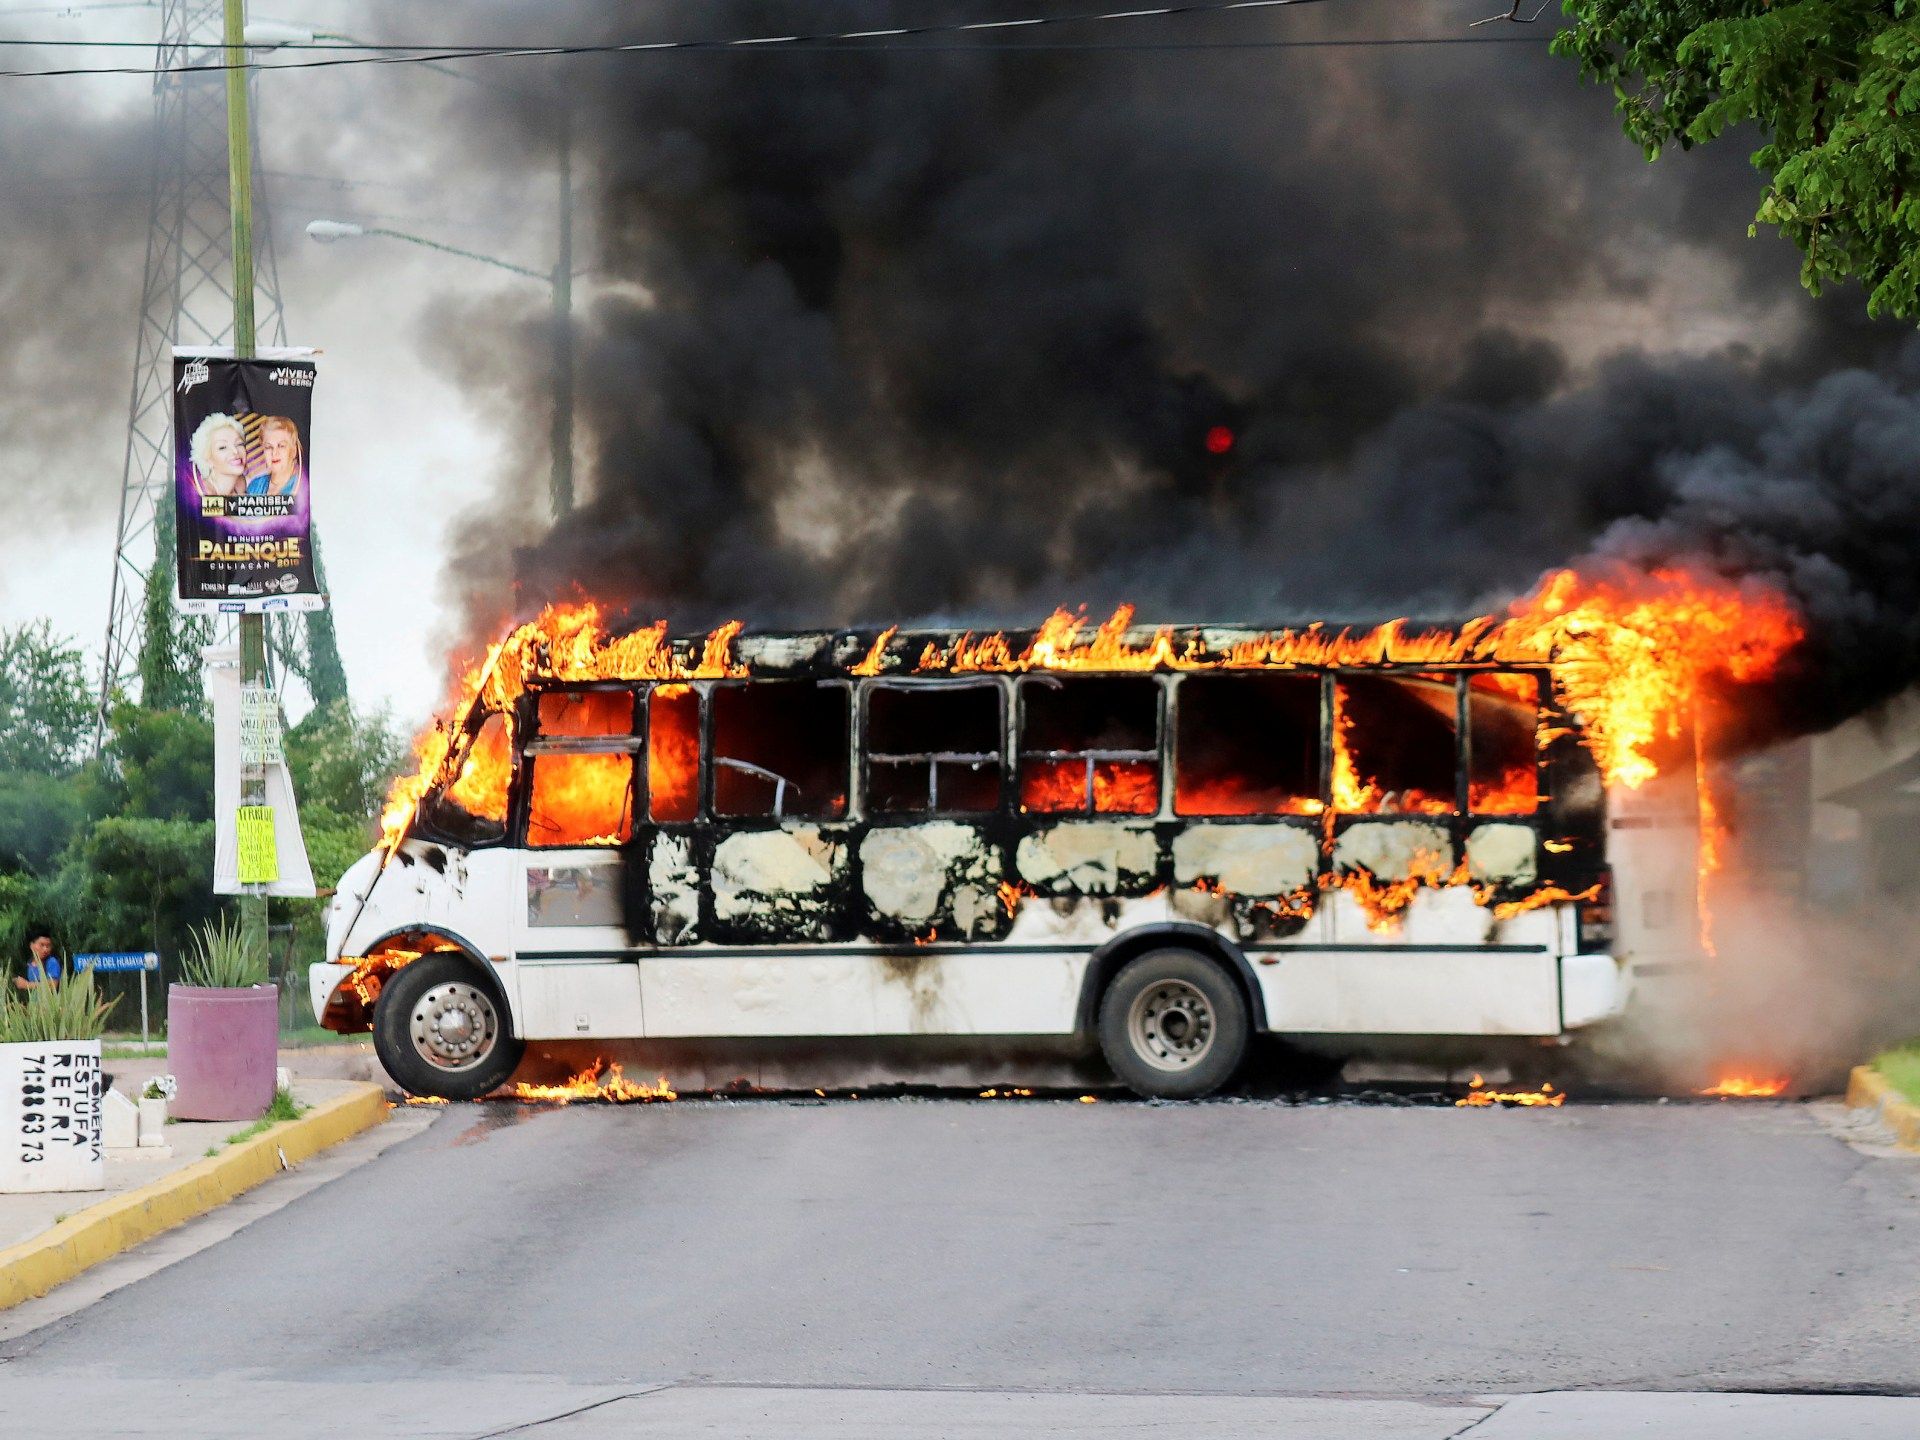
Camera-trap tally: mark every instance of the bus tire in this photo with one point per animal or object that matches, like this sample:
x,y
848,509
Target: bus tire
x,y
1173,1025
440,1028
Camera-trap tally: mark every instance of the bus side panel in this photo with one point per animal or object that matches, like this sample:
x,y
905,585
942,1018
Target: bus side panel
x,y
1412,992
789,992
1653,844
573,999
798,993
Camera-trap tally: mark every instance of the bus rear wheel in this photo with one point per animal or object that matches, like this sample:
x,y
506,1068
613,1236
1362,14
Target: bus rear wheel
x,y
440,1029
1173,1025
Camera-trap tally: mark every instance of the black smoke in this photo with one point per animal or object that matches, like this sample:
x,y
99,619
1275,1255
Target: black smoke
x,y
75,182
942,335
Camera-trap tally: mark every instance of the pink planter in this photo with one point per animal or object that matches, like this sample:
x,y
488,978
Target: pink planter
x,y
222,1047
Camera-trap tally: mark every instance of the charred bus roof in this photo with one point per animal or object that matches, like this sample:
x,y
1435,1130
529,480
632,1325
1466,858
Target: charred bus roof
x,y
895,653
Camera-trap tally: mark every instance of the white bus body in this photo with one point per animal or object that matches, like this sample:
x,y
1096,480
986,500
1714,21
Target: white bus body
x,y
1006,923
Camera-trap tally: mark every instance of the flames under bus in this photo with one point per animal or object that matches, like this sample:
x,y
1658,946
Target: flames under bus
x,y
1157,862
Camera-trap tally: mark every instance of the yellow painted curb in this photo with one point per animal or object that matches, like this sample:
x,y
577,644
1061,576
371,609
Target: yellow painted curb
x,y
1868,1089
101,1231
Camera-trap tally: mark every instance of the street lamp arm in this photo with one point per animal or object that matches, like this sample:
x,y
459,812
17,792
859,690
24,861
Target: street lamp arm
x,y
544,276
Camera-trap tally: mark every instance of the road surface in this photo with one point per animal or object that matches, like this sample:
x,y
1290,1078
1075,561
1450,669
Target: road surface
x,y
1177,1269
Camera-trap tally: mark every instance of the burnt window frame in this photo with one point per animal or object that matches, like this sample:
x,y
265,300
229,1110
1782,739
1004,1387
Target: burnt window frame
x,y
1320,678
1003,757
1018,754
1543,706
527,750
1455,674
643,706
710,758
422,822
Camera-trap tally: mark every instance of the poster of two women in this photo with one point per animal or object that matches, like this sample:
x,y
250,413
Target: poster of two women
x,y
242,506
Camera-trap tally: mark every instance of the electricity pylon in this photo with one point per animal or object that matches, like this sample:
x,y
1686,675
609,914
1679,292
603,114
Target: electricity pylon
x,y
186,298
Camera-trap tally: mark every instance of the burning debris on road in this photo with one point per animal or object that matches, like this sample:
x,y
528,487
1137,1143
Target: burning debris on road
x,y
1479,1094
598,1081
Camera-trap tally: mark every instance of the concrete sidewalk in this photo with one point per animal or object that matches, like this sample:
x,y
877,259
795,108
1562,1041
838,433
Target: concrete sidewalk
x,y
122,1407
207,1165
24,1216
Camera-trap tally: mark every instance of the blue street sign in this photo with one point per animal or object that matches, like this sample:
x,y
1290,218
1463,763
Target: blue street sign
x,y
115,960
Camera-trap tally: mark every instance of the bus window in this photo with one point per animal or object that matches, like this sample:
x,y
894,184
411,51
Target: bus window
x,y
1090,746
586,712
673,753
933,748
580,798
1247,744
1503,771
1394,744
473,809
780,749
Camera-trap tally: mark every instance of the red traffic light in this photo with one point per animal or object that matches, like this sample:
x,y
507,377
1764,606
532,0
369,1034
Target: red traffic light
x,y
1219,440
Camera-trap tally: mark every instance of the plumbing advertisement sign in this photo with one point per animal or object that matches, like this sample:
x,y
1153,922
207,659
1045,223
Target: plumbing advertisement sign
x,y
50,1117
242,433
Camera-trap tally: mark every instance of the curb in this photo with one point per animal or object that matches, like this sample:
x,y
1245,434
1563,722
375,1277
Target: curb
x,y
1868,1089
102,1231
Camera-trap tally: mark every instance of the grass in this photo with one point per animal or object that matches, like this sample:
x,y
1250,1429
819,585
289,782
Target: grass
x,y
309,1037
134,1050
283,1109
1901,1066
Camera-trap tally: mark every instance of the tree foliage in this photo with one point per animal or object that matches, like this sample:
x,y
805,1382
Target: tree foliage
x,y
1832,87
46,705
115,851
169,653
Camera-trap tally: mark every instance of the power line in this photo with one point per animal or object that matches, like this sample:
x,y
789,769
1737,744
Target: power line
x,y
848,40
78,9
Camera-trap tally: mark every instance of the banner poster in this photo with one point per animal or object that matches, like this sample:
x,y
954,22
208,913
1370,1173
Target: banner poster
x,y
255,847
242,432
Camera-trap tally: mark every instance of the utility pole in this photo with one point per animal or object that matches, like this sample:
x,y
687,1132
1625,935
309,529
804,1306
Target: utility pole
x,y
562,483
253,627
150,652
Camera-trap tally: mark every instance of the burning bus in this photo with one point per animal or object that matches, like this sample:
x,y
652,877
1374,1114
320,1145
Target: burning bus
x,y
1154,840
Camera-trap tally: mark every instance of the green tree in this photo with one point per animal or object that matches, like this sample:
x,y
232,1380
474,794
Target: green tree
x,y
46,705
1831,86
138,883
158,765
39,816
326,675
169,657
344,761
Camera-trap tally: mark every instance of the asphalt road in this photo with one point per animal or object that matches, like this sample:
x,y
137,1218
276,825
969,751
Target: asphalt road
x,y
1213,1252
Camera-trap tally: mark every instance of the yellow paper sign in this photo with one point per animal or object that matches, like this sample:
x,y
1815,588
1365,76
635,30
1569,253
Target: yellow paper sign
x,y
259,856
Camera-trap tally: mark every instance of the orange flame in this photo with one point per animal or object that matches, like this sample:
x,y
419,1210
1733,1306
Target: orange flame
x,y
566,642
1384,902
1634,656
591,1084
1478,1095
1747,1086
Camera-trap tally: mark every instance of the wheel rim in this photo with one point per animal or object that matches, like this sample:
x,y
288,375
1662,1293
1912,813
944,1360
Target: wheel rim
x,y
454,1026
1171,1025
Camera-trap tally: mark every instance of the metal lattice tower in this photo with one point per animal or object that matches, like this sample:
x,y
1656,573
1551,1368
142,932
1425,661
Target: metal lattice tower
x,y
186,298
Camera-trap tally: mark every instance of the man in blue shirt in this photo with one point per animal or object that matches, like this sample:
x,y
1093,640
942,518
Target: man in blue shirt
x,y
43,966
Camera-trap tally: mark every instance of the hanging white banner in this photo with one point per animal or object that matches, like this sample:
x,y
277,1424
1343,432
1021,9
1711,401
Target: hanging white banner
x,y
288,851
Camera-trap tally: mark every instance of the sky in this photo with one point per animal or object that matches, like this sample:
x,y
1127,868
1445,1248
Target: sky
x,y
1393,216
398,450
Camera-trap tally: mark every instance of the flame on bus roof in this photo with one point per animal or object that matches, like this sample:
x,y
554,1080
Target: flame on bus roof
x,y
1631,653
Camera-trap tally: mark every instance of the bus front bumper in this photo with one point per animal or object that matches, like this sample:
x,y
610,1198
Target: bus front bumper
x,y
323,988
1592,988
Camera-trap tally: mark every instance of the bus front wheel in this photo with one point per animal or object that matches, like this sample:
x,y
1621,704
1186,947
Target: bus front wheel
x,y
1173,1025
440,1029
